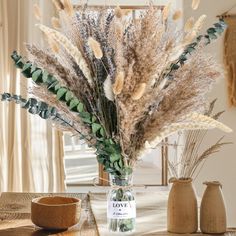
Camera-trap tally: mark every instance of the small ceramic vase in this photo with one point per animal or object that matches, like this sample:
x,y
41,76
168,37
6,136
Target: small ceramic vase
x,y
212,211
182,213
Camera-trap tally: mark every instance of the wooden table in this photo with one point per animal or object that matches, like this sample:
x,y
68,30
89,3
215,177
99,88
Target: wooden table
x,y
15,216
151,215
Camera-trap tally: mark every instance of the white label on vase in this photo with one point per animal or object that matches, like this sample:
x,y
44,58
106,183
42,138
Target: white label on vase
x,y
121,209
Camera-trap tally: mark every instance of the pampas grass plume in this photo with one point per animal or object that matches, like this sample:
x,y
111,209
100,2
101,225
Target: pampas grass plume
x,y
166,11
95,47
58,4
189,37
68,7
55,23
139,91
177,15
195,4
199,23
37,12
70,48
53,45
189,24
119,83
107,86
118,12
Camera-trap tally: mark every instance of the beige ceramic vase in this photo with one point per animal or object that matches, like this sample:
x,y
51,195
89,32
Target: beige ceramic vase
x,y
212,211
182,213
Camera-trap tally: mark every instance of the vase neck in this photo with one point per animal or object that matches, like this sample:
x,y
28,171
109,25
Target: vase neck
x,y
125,180
181,181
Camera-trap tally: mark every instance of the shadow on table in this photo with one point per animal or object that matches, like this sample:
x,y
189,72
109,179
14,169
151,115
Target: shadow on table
x,y
29,231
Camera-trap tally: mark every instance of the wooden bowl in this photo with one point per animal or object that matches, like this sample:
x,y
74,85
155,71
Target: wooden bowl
x,y
55,213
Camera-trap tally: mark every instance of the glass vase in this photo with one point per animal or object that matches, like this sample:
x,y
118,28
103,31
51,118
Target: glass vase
x,y
121,206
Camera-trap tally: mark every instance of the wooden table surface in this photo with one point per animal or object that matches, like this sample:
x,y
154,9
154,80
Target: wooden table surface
x,y
15,216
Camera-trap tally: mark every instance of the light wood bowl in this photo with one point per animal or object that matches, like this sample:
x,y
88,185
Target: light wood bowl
x,y
55,213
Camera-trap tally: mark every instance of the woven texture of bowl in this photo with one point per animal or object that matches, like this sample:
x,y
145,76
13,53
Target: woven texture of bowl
x,y
55,213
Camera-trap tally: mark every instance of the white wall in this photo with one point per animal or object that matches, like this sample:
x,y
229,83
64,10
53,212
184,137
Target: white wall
x,y
221,166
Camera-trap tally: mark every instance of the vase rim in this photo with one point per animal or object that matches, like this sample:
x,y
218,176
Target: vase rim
x,y
180,180
212,183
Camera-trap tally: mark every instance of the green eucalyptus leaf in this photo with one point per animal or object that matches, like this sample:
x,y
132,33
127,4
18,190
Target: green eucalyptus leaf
x,y
69,96
73,104
102,132
95,127
26,70
61,93
80,107
116,165
33,68
94,119
114,157
37,76
51,86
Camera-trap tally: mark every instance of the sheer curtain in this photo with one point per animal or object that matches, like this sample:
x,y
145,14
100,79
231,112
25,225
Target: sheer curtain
x,y
31,152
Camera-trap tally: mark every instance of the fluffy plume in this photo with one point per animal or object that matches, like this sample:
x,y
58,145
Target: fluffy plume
x,y
118,12
58,4
177,15
53,45
68,7
55,23
37,12
107,86
139,91
119,83
189,38
166,11
199,23
70,48
195,4
206,120
95,47
195,122
189,24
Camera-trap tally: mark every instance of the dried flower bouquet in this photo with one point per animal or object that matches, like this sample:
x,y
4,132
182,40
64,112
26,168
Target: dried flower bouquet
x,y
121,84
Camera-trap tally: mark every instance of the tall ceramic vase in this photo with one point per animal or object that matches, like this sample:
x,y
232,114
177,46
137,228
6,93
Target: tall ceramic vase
x,y
212,211
182,213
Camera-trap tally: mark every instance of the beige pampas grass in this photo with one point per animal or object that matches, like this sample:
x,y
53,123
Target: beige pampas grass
x,y
177,15
37,12
192,121
195,4
118,12
70,48
68,7
204,123
199,23
189,24
166,12
55,23
107,86
53,45
58,4
190,37
206,120
119,83
139,91
95,47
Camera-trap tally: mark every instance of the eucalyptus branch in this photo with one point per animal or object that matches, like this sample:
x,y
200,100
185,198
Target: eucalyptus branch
x,y
211,34
42,109
108,152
